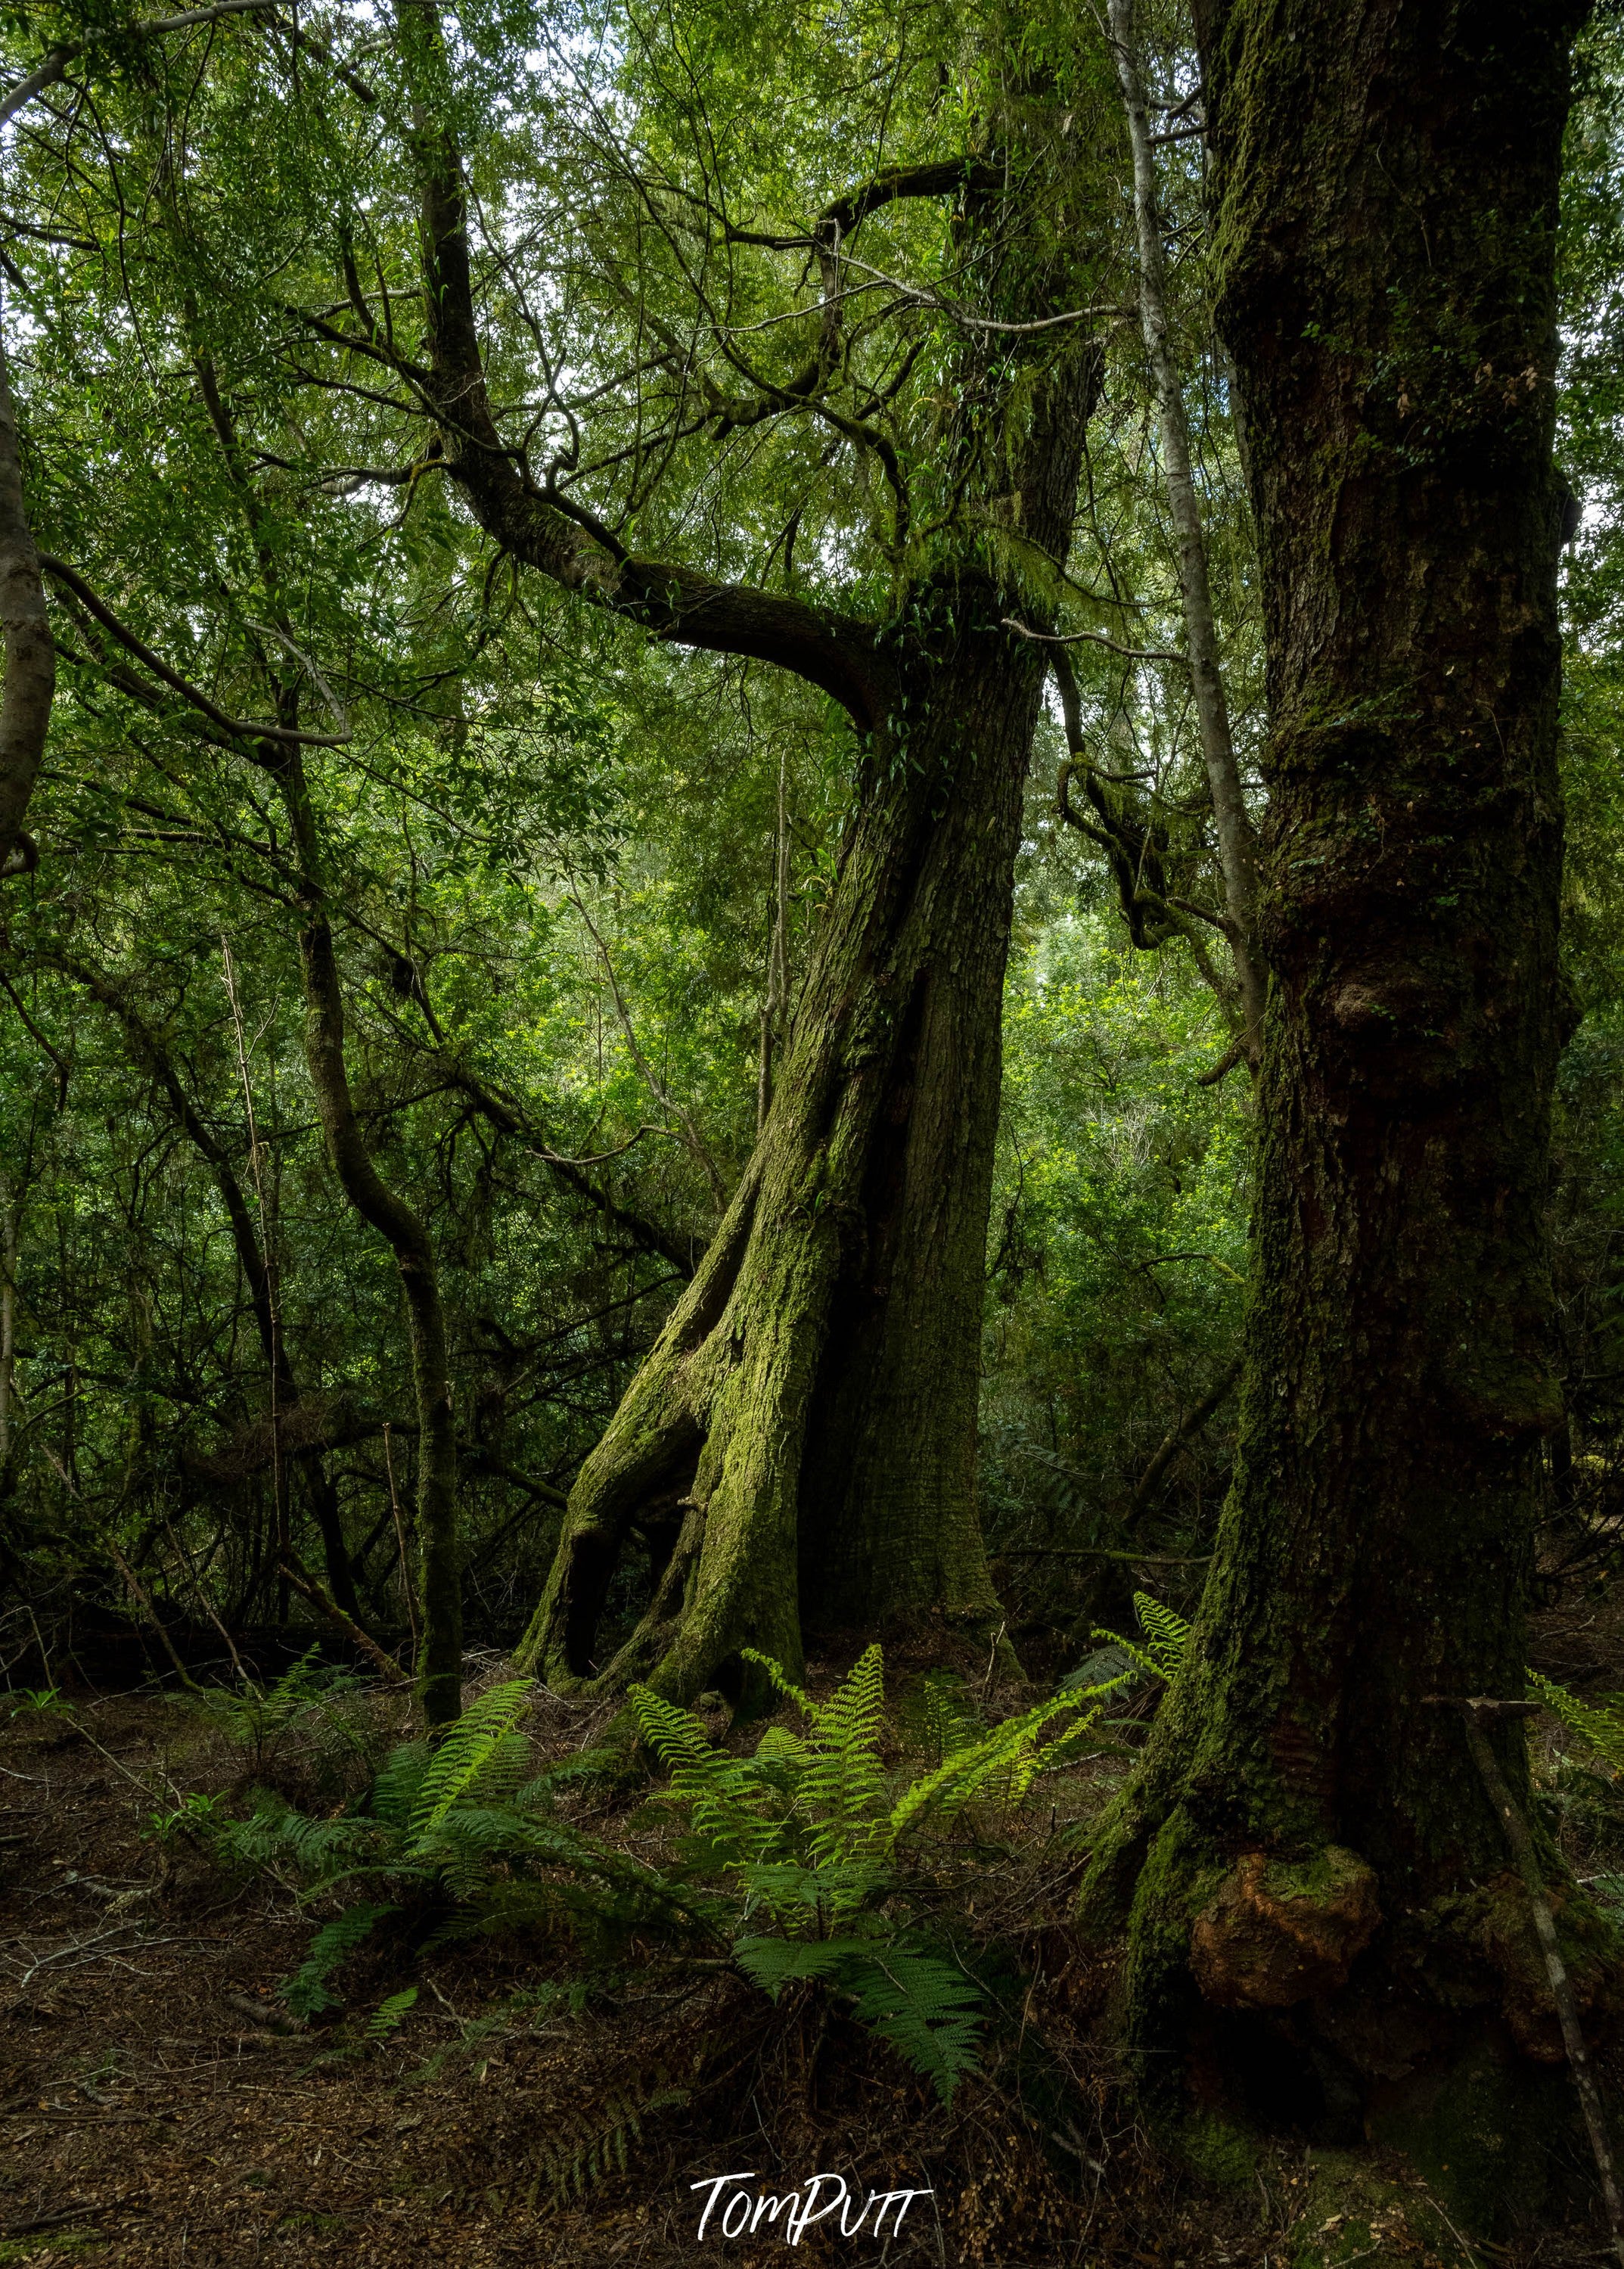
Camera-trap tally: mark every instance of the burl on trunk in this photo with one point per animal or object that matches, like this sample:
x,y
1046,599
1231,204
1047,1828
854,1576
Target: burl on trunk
x,y
1319,1900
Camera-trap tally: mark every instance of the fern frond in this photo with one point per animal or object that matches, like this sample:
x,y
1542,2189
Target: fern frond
x,y
802,1899
465,1748
780,1682
1168,1635
842,1786
732,1808
1002,1764
388,2016
584,2146
917,1999
926,2006
938,1715
676,1735
772,1963
1601,1724
306,1991
492,1909
1135,1653
606,1765
398,1783
778,1746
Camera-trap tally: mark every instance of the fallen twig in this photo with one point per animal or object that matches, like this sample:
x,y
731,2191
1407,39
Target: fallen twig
x,y
308,1588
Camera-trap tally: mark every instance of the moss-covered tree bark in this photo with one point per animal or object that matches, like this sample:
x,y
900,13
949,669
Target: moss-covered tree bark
x,y
800,1446
804,1431
802,1439
1306,1863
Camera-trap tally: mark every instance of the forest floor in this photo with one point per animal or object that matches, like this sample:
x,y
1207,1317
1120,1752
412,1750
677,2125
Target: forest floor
x,y
157,2106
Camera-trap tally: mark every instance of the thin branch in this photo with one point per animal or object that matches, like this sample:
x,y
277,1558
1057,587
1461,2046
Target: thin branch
x,y
59,1061
56,64
656,1088
1236,850
245,729
1187,1426
1092,637
30,655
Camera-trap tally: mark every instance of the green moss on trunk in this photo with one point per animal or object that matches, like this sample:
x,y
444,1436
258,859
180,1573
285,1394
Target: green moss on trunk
x,y
808,1415
1384,242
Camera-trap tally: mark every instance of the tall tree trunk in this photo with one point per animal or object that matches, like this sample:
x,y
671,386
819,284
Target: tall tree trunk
x,y
1236,852
30,651
807,1415
1313,1878
801,1441
803,1436
440,1656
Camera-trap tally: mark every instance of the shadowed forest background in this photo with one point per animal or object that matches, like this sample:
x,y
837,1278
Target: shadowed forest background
x,y
631,767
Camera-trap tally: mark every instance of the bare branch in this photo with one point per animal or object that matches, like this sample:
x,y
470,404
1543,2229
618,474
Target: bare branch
x,y
1094,638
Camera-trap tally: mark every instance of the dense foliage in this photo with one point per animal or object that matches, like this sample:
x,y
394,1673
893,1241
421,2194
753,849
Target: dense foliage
x,y
575,873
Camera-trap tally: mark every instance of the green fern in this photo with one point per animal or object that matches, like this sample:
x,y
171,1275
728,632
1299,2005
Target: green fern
x,y
914,1996
1167,1638
474,1747
310,1694
808,1825
306,1991
1169,1635
1601,1724
810,1838
939,1717
389,2014
466,1826
1002,1765
584,2147
843,1783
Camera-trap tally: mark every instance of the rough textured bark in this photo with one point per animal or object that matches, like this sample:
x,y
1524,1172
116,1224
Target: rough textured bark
x,y
1384,241
439,1660
803,1436
804,1429
801,1440
30,651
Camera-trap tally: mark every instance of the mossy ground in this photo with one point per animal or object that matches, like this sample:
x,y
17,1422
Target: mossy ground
x,y
1349,2207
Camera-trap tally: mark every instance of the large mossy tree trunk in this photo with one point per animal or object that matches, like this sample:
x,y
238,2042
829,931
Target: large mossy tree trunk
x,y
801,1440
1306,1854
797,1452
803,1431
